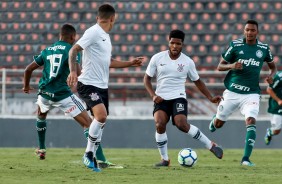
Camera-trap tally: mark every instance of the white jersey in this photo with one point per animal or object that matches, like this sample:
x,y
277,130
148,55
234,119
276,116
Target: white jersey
x,y
171,74
96,57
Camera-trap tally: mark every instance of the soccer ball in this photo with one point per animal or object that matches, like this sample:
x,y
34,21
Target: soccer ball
x,y
187,157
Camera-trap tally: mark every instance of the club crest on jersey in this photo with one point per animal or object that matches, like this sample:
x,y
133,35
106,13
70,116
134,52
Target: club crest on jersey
x,y
179,107
180,67
259,53
94,96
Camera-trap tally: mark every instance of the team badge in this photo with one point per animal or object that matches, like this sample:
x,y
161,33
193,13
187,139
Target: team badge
x,y
259,53
180,67
179,107
94,96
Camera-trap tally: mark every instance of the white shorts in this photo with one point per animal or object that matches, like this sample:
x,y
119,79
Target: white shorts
x,y
276,121
71,105
248,104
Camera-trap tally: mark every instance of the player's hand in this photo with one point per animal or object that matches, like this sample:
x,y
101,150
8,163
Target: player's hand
x,y
237,66
157,99
279,102
137,61
269,80
27,89
72,79
216,99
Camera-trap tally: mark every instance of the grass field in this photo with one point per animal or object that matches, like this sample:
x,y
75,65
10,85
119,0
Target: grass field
x,y
19,165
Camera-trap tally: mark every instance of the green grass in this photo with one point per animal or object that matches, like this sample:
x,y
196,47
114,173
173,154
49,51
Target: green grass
x,y
19,165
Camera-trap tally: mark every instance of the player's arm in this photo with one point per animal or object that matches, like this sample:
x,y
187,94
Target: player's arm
x,y
203,88
27,75
270,91
72,78
148,85
273,70
124,64
224,65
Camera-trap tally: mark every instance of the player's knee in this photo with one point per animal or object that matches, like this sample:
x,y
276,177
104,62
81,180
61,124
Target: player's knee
x,y
101,119
218,123
160,125
250,121
276,132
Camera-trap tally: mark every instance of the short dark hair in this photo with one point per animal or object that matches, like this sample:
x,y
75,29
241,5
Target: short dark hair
x,y
67,30
105,11
177,34
252,22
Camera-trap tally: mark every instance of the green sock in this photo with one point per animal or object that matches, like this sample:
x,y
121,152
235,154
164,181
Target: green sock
x,y
86,133
250,140
100,155
41,127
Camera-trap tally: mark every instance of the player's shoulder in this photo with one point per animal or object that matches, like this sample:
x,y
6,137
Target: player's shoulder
x,y
237,43
262,45
186,58
160,54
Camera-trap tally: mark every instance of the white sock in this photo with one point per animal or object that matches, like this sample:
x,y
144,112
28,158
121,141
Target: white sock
x,y
197,134
95,136
161,140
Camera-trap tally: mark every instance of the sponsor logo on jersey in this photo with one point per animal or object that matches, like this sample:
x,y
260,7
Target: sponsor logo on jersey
x,y
241,52
259,53
71,109
248,62
94,96
240,87
61,47
179,107
162,64
280,110
180,67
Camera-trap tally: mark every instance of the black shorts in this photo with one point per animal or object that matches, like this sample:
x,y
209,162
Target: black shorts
x,y
92,96
172,107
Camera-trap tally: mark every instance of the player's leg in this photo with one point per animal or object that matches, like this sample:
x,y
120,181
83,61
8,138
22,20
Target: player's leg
x,y
275,129
180,121
44,106
161,117
225,108
249,108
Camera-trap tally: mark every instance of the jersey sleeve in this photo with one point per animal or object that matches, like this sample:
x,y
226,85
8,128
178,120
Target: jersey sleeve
x,y
192,73
39,59
227,55
152,67
269,57
89,37
276,80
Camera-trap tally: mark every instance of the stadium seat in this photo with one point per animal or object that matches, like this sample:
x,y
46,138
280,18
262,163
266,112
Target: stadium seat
x,y
224,7
238,7
210,7
252,7
273,18
218,18
198,7
231,18
206,18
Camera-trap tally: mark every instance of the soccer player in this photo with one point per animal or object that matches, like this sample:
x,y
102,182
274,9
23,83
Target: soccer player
x,y
243,59
274,107
92,84
171,68
53,89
